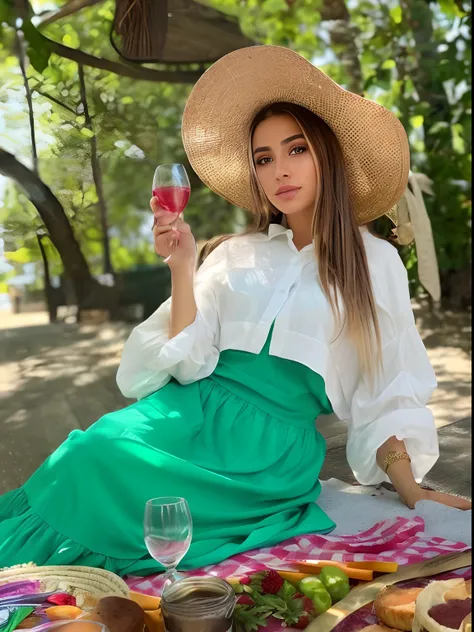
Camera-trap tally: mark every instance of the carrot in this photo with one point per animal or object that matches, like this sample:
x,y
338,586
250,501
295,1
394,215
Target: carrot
x,y
378,567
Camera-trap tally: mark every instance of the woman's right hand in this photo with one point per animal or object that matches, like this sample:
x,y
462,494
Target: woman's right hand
x,y
174,240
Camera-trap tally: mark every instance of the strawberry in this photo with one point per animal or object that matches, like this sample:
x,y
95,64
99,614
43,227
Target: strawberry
x,y
302,623
245,600
272,583
307,603
62,599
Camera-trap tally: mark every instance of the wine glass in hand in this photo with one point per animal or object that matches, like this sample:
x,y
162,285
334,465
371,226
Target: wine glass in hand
x,y
172,189
168,532
173,237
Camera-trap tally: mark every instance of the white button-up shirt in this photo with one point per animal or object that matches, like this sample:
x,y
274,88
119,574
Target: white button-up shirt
x,y
250,282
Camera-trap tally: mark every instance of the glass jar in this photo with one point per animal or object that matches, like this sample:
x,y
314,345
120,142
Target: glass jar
x,y
198,604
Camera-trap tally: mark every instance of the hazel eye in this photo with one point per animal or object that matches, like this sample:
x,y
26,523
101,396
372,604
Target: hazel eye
x,y
298,150
263,161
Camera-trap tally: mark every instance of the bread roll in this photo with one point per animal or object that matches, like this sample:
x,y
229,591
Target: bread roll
x,y
395,607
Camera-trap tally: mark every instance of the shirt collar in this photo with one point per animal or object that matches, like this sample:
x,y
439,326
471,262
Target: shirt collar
x,y
278,229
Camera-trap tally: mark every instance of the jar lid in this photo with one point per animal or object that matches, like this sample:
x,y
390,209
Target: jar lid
x,y
199,597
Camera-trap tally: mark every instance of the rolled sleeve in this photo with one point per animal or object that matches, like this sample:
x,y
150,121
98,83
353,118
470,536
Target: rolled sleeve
x,y
150,359
395,406
395,402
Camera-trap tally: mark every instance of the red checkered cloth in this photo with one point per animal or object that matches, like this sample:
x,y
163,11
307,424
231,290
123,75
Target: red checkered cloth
x,y
400,540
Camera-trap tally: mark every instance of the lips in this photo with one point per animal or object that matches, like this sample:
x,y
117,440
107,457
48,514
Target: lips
x,y
287,189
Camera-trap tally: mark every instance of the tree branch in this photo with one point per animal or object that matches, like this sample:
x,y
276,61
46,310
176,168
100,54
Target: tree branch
x,y
97,176
20,45
54,100
343,41
134,72
55,220
68,9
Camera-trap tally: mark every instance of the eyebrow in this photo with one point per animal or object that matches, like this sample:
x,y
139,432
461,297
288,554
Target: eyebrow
x,y
283,142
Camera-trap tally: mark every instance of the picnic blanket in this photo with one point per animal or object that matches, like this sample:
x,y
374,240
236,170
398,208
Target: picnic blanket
x,y
400,539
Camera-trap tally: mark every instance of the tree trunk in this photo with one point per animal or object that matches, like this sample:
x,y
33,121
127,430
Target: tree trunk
x,y
97,176
48,288
417,14
426,79
343,41
56,223
21,58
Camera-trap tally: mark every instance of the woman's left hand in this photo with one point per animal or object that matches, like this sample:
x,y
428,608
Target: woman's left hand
x,y
437,497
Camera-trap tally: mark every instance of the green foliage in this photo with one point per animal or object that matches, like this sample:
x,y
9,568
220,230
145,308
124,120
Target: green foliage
x,y
285,605
416,61
137,125
38,49
415,58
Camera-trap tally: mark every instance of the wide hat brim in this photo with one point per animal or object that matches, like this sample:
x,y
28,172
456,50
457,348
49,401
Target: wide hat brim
x,y
228,96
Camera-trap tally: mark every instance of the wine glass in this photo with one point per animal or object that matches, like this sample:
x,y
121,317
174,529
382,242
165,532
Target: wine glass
x,y
168,532
172,189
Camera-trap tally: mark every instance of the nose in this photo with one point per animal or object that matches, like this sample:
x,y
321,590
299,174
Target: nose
x,y
282,171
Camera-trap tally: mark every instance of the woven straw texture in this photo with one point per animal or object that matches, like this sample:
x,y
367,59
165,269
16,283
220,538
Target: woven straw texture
x,y
87,584
225,100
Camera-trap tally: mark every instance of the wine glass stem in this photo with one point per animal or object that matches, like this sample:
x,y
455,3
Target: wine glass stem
x,y
171,575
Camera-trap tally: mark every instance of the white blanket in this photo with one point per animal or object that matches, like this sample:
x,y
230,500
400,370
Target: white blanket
x,y
357,508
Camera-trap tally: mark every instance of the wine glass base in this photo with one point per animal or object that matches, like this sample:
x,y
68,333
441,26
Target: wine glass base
x,y
170,577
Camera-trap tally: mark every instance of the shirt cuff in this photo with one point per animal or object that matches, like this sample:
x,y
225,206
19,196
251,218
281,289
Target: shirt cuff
x,y
415,427
190,355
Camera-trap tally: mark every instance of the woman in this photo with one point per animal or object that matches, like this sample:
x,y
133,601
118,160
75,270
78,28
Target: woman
x,y
304,315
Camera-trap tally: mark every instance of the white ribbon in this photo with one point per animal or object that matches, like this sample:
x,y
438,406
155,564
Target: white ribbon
x,y
413,224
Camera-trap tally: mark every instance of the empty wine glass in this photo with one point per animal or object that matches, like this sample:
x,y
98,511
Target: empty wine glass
x,y
168,532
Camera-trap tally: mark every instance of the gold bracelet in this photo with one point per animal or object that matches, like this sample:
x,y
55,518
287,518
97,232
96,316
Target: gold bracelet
x,y
392,457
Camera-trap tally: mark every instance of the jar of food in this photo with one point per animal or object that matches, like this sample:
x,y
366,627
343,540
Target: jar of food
x,y
198,604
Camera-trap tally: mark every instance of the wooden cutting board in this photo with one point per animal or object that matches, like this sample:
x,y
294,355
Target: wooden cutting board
x,y
365,594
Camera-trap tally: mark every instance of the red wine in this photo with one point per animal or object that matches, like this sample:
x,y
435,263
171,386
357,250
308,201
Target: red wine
x,y
172,199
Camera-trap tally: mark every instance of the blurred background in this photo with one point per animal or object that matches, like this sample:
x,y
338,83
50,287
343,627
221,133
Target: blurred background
x,y
91,98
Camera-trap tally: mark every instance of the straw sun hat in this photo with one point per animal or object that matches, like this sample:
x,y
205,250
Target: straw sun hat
x,y
227,97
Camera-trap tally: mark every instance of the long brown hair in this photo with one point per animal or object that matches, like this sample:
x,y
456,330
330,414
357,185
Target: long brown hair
x,y
339,248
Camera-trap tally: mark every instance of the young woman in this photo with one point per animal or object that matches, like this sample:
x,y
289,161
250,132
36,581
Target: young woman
x,y
306,314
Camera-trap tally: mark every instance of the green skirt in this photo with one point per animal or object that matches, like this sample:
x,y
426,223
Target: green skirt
x,y
240,446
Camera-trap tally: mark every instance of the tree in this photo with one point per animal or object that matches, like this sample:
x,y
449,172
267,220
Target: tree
x,y
96,174
413,57
56,223
88,115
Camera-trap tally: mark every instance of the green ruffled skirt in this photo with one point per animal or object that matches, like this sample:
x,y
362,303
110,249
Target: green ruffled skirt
x,y
240,446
